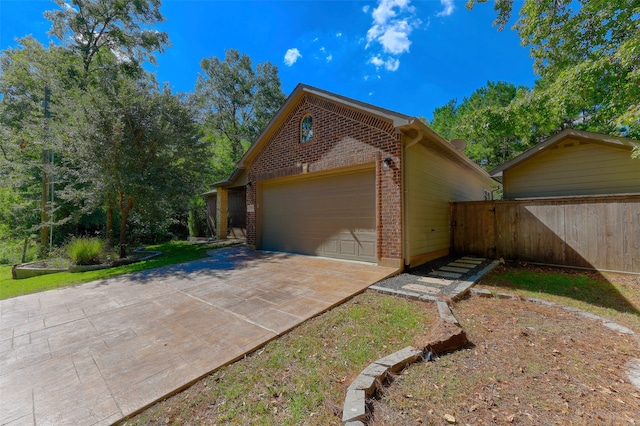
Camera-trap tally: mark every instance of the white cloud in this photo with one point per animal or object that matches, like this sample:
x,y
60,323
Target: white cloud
x,y
393,22
377,61
329,58
291,56
365,9
370,93
366,77
322,49
395,38
391,64
385,10
447,8
315,39
338,34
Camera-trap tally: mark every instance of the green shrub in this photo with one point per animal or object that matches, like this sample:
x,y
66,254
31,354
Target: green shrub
x,y
86,251
11,250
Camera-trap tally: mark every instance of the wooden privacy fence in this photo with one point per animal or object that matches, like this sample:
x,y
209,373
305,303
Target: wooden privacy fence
x,y
593,232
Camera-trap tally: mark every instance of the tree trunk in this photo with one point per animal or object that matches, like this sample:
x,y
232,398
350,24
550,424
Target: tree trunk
x,y
124,210
109,230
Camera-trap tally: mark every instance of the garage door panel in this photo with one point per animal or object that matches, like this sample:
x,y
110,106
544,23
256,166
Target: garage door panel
x,y
330,216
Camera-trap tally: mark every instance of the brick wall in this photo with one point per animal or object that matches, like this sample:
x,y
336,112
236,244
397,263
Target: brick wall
x,y
342,137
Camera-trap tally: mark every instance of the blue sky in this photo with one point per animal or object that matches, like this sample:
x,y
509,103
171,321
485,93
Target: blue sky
x,y
405,55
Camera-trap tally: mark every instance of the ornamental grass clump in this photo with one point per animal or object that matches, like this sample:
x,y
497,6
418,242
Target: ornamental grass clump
x,y
86,251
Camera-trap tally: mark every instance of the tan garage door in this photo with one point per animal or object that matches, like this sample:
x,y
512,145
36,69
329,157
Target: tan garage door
x,y
332,216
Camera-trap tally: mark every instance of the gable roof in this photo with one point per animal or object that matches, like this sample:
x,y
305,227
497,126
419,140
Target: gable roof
x,y
579,135
401,122
292,100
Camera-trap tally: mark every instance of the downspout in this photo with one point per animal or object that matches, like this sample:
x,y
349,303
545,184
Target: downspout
x,y
417,139
405,198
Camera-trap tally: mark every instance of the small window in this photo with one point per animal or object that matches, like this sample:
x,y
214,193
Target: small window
x,y
487,195
306,129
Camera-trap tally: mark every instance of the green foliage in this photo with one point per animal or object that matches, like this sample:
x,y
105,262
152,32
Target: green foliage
x,y
197,217
235,102
11,250
26,71
587,54
86,251
490,121
142,230
93,74
95,29
123,148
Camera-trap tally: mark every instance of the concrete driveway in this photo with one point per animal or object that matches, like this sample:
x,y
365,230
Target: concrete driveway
x,y
98,352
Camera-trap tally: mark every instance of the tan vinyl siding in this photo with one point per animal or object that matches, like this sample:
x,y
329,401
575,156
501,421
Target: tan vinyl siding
x,y
432,182
574,168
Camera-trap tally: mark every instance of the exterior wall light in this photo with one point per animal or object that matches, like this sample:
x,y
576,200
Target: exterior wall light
x,y
386,163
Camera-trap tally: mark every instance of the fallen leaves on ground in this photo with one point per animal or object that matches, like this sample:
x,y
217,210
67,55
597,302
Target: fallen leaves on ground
x,y
547,367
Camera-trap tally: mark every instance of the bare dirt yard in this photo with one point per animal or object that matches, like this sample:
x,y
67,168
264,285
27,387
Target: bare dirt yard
x,y
527,364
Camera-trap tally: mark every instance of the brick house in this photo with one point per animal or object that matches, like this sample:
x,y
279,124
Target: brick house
x,y
335,177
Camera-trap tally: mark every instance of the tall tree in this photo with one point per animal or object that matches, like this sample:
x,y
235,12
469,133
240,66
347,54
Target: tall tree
x,y
26,73
236,103
143,149
113,38
487,120
125,28
120,140
587,54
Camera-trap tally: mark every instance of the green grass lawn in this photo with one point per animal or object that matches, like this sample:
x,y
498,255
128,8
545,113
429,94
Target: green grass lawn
x,y
173,252
610,295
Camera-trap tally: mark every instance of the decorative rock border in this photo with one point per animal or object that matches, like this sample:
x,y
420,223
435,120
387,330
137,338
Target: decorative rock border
x,y
150,254
446,336
23,270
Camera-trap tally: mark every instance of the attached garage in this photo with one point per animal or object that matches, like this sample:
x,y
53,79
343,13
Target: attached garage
x,y
334,177
329,215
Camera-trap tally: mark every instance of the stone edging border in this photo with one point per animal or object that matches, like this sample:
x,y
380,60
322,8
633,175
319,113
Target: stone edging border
x,y
446,336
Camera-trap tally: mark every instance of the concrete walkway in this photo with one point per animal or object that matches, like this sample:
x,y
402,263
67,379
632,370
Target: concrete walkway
x,y
98,352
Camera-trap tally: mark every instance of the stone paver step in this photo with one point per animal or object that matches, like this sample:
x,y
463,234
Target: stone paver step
x,y
435,281
422,288
463,264
454,269
477,260
445,274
